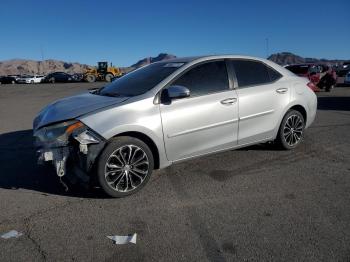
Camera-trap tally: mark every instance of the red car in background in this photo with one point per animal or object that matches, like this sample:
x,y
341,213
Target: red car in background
x,y
320,76
310,71
314,72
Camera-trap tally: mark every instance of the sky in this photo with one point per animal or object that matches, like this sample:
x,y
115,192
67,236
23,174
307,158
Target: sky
x,y
123,32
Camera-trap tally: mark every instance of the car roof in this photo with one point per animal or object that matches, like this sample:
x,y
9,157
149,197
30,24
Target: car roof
x,y
197,59
209,57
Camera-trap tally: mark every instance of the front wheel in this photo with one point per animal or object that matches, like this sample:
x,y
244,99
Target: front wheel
x,y
291,130
124,166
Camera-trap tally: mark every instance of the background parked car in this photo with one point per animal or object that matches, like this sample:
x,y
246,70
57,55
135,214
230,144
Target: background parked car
x,y
328,80
78,77
310,71
7,80
343,69
16,77
58,77
30,79
347,79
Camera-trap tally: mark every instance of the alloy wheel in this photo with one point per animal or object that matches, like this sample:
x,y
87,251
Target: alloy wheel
x,y
126,168
293,130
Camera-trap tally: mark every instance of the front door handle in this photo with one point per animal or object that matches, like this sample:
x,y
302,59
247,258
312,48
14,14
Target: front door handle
x,y
228,101
282,90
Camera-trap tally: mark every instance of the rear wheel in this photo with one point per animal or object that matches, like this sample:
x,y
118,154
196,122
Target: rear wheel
x,y
124,166
108,77
291,130
90,78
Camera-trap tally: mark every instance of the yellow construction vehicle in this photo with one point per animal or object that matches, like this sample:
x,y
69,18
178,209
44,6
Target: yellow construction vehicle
x,y
102,72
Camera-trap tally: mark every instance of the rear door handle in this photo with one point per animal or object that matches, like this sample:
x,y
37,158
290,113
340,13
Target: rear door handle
x,y
282,90
228,101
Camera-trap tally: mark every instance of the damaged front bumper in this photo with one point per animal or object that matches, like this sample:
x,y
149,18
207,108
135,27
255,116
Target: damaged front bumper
x,y
58,156
73,154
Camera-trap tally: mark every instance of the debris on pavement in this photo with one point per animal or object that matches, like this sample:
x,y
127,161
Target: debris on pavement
x,y
121,240
10,234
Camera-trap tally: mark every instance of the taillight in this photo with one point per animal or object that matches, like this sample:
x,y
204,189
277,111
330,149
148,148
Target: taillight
x,y
313,87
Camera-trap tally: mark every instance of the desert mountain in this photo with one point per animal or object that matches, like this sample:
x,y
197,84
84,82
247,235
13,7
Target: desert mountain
x,y
286,58
22,66
149,60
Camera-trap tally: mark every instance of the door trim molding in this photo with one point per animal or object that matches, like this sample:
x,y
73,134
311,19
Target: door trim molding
x,y
256,115
202,128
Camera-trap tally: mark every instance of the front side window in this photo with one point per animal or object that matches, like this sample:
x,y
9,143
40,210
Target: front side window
x,y
250,73
205,79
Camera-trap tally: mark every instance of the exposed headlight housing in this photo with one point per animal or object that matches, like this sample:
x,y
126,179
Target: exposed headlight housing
x,y
58,133
86,137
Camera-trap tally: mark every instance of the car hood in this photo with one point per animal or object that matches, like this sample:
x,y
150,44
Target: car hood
x,y
72,107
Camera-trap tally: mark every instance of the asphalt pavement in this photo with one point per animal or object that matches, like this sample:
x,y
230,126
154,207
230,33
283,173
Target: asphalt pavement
x,y
252,204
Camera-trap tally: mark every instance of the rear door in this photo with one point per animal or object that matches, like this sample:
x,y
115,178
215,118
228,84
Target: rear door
x,y
207,120
262,99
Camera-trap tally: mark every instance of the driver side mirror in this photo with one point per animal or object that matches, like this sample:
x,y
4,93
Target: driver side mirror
x,y
176,92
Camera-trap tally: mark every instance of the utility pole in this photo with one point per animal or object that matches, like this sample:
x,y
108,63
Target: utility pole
x,y
42,59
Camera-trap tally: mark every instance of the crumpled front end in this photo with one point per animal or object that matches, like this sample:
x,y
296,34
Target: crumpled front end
x,y
71,147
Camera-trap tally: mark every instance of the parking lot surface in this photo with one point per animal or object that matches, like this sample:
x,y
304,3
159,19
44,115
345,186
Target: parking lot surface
x,y
256,204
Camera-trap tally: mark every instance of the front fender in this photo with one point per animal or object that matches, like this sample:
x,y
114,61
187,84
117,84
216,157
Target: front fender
x,y
141,116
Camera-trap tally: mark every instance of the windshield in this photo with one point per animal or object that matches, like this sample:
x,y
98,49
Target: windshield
x,y
140,81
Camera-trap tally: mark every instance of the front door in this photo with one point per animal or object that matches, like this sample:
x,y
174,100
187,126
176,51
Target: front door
x,y
207,120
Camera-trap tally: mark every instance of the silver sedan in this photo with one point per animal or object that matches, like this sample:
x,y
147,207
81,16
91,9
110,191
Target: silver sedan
x,y
172,111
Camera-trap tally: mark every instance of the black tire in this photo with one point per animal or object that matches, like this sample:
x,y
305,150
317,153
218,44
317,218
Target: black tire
x,y
52,80
283,140
109,77
90,78
117,147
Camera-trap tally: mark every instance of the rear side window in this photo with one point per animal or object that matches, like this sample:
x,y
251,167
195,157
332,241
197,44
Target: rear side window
x,y
205,79
250,73
274,75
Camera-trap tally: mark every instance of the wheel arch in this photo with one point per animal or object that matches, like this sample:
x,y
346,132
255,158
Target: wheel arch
x,y
301,110
147,140
296,106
